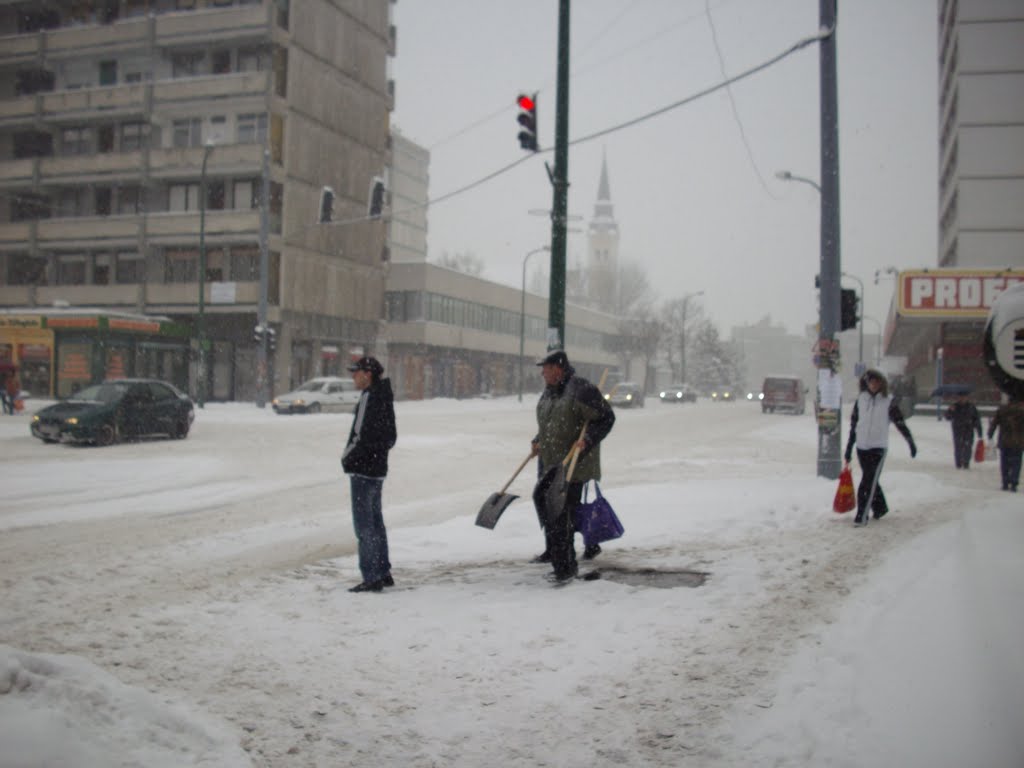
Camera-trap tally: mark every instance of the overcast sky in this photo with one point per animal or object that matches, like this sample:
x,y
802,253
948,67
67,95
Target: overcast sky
x,y
695,193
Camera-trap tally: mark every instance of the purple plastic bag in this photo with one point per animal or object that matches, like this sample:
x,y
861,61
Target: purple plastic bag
x,y
596,519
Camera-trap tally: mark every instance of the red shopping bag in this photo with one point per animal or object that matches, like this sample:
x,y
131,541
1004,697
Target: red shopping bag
x,y
846,497
979,452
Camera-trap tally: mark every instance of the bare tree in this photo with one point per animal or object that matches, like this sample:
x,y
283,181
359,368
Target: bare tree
x,y
467,262
680,317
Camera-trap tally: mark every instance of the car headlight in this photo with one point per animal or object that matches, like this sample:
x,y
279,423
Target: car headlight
x,y
629,397
275,401
760,395
607,397
662,394
72,420
300,401
35,417
679,395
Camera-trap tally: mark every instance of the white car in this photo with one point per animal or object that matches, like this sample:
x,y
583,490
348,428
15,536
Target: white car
x,y
327,393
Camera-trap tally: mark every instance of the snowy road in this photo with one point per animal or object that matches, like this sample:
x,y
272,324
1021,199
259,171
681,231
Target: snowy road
x,y
212,571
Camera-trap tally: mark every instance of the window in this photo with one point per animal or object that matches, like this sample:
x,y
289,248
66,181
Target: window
x,y
245,263
137,77
246,195
28,206
130,268
23,269
105,138
130,199
108,72
183,197
214,195
134,136
74,141
220,62
71,201
180,266
71,269
29,81
32,144
277,139
186,64
187,133
252,60
281,72
104,200
101,269
252,128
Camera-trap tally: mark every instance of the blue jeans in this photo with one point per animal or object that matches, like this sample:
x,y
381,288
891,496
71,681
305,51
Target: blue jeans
x,y
368,521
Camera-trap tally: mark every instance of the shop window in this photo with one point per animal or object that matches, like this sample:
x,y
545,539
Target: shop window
x,y
252,128
187,133
180,266
129,268
71,269
117,362
101,269
75,141
73,369
245,263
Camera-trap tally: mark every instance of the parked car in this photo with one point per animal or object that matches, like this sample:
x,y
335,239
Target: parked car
x,y
116,410
626,394
783,394
678,393
327,393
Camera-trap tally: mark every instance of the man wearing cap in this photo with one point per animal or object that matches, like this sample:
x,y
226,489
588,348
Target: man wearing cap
x,y
570,405
365,461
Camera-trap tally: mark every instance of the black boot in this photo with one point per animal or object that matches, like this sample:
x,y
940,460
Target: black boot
x,y
592,551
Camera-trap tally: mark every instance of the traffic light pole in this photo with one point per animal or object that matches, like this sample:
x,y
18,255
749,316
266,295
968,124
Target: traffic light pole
x,y
560,181
830,420
262,378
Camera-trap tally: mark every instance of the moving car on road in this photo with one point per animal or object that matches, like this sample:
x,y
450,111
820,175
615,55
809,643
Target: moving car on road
x,y
327,393
783,394
626,394
116,410
678,393
723,394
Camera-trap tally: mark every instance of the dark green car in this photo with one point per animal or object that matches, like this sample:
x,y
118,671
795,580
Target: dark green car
x,y
116,410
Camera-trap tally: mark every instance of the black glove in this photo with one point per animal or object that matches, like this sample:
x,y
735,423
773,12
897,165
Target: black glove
x,y
913,449
848,455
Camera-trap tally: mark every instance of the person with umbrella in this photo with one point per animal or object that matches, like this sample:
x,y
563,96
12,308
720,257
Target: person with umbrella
x,y
571,415
966,422
873,410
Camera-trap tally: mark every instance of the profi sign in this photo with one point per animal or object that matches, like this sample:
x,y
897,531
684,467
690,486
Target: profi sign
x,y
966,293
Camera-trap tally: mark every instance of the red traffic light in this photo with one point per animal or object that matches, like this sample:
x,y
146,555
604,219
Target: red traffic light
x,y
525,102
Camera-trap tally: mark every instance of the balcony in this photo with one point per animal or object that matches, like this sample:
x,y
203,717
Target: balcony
x,y
83,169
224,159
171,29
175,228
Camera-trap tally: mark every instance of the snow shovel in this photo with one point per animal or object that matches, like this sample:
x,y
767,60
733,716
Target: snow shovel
x,y
496,503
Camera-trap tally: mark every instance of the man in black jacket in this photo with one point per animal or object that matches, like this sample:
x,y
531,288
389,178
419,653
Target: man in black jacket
x,y
966,421
365,461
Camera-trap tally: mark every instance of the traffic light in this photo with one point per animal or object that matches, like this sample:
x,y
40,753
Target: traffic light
x,y
257,334
376,204
848,309
326,205
528,121
271,338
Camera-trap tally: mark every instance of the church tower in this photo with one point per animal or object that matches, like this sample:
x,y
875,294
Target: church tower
x,y
603,248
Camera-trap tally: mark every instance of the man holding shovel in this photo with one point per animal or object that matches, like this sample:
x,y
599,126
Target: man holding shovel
x,y
572,419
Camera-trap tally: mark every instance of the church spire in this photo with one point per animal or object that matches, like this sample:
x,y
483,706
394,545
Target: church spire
x,y
603,206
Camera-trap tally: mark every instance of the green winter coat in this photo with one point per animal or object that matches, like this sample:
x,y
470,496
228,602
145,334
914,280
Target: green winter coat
x,y
562,412
1009,420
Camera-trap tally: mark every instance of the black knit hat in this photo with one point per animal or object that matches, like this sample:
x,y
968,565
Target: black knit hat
x,y
368,364
558,357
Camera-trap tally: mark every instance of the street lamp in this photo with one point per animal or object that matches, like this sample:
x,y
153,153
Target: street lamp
x,y
860,351
201,319
787,176
522,316
682,335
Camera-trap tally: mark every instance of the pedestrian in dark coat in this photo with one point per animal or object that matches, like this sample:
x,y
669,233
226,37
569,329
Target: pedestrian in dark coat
x,y
966,422
365,460
570,405
874,410
1009,420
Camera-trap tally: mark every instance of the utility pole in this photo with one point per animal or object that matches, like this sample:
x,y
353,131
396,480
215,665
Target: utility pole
x,y
830,419
560,182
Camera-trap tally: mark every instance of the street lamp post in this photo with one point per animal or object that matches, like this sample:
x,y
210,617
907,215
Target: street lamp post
x,y
787,176
860,323
522,316
201,318
682,336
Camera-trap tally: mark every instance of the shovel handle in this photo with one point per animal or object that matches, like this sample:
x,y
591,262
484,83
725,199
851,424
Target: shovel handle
x,y
574,454
515,474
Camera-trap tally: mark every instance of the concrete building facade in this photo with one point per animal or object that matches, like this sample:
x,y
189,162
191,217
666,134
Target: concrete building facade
x,y
133,139
409,183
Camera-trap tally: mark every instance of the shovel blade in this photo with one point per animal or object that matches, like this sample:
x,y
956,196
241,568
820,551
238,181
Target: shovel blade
x,y
491,511
555,493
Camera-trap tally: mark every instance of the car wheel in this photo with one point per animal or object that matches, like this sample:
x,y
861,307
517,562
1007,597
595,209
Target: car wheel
x,y
106,435
181,429
313,408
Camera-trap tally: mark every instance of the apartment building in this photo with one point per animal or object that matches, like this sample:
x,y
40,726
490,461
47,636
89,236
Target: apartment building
x,y
136,138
